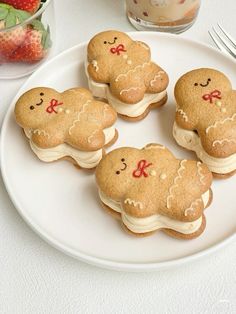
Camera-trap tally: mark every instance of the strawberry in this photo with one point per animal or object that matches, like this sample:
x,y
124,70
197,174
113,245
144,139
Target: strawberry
x,y
10,39
35,46
30,6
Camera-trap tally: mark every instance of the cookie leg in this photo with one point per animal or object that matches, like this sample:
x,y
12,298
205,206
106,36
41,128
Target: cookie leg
x,y
223,176
113,140
130,89
190,236
146,112
117,216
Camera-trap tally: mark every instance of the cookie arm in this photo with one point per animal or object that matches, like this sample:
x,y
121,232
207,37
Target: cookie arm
x,y
184,119
140,52
98,70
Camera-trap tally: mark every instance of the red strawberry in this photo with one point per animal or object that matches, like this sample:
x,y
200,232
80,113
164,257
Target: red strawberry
x,y
31,50
35,46
11,38
26,5
28,43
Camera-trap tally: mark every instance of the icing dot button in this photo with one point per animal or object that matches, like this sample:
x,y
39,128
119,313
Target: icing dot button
x,y
163,176
223,110
153,173
218,103
67,111
129,62
125,56
60,110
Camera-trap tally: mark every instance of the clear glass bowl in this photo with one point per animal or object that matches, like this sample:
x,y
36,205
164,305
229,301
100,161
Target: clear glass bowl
x,y
173,16
31,43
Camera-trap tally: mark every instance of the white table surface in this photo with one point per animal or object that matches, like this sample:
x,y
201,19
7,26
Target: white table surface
x,y
36,278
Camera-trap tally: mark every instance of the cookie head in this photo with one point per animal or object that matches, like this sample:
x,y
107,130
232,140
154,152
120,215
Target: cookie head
x,y
108,44
114,173
201,86
36,106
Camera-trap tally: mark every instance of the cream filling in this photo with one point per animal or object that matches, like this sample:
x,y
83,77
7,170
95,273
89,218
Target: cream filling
x,y
82,158
190,140
131,110
154,222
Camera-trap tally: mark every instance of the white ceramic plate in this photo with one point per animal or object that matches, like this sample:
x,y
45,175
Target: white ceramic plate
x,y
61,203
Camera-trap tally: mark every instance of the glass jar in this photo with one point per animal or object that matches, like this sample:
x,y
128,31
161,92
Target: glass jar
x,y
174,16
26,45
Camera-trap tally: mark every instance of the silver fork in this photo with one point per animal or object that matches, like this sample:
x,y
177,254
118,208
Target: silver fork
x,y
223,40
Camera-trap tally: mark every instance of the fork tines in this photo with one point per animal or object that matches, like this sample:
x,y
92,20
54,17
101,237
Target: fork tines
x,y
223,40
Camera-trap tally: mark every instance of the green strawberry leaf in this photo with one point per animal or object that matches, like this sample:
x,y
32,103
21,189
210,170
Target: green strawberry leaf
x,y
46,38
22,15
48,41
3,13
38,25
10,20
5,6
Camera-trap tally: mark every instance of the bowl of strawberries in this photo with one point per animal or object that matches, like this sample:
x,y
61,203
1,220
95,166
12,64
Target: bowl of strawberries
x,y
26,36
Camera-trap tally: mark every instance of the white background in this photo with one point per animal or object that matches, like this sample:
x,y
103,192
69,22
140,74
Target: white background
x,y
35,278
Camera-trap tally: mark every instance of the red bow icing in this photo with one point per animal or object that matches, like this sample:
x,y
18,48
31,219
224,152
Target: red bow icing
x,y
118,49
215,94
53,103
142,165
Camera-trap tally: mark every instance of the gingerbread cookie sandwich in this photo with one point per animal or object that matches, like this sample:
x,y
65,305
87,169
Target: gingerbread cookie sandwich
x,y
205,119
120,70
145,189
69,125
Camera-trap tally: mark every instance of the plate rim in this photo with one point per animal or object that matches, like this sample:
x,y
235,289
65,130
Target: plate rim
x,y
98,261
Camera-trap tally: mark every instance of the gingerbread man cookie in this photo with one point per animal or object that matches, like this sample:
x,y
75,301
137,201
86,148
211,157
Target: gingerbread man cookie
x,y
145,188
120,70
206,119
69,124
